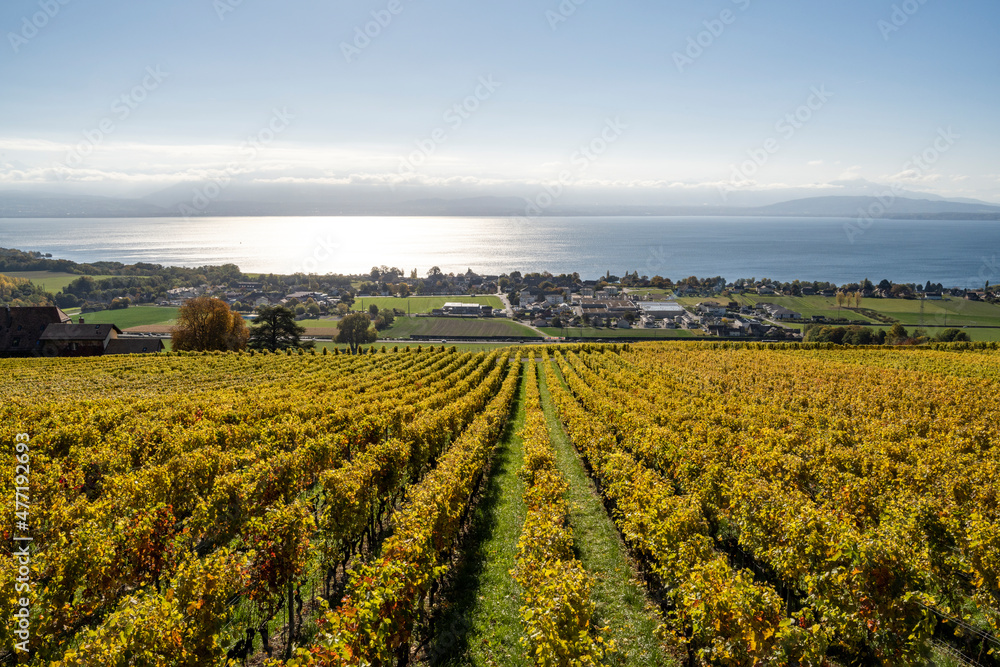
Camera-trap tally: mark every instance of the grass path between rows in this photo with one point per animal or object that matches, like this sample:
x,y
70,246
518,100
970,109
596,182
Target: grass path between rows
x,y
620,598
482,626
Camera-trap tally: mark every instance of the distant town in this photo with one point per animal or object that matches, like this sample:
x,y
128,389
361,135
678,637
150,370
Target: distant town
x,y
55,307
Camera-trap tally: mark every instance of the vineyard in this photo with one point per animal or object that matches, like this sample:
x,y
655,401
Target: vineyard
x,y
800,505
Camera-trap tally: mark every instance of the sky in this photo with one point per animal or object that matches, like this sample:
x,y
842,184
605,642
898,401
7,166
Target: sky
x,y
652,100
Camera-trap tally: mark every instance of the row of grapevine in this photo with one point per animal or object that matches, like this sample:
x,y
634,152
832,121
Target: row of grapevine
x,y
375,622
838,513
226,492
557,609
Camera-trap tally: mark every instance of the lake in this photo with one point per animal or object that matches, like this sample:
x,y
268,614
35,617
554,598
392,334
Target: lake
x,y
956,253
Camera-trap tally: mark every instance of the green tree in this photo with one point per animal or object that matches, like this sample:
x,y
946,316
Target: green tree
x,y
209,324
385,319
897,334
355,330
952,336
276,329
373,310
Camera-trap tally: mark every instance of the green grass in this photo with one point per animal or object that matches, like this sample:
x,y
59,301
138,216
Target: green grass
x,y
443,327
807,306
50,281
948,312
136,316
481,625
619,597
590,332
421,304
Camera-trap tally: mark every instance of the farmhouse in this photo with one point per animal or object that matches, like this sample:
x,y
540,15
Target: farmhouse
x,y
48,331
21,328
77,340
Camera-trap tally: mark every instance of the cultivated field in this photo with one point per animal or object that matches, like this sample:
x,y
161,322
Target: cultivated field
x,y
404,327
416,305
136,316
50,281
641,504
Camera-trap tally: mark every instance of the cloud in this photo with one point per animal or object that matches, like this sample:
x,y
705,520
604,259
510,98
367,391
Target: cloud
x,y
850,174
912,176
815,163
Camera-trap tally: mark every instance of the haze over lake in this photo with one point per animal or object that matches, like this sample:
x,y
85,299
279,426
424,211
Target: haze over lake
x,y
956,253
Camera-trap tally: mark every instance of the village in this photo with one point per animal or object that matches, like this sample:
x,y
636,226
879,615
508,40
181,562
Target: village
x,y
88,310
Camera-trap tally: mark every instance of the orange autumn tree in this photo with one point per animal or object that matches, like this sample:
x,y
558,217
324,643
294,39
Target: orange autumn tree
x,y
205,323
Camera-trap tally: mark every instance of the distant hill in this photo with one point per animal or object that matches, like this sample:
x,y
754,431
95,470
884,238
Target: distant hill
x,y
249,202
47,205
899,207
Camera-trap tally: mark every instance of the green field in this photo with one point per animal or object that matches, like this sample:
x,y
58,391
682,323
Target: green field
x,y
50,281
404,327
591,332
807,306
136,316
947,312
421,304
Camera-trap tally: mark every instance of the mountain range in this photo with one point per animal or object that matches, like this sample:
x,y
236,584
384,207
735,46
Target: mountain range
x,y
192,200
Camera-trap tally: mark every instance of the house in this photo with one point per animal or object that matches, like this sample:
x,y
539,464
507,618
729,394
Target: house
x,y
711,309
21,328
934,296
808,291
254,287
134,346
782,313
621,307
623,323
662,310
764,289
554,299
77,340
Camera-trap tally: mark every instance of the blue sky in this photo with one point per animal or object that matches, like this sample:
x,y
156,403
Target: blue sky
x,y
535,81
